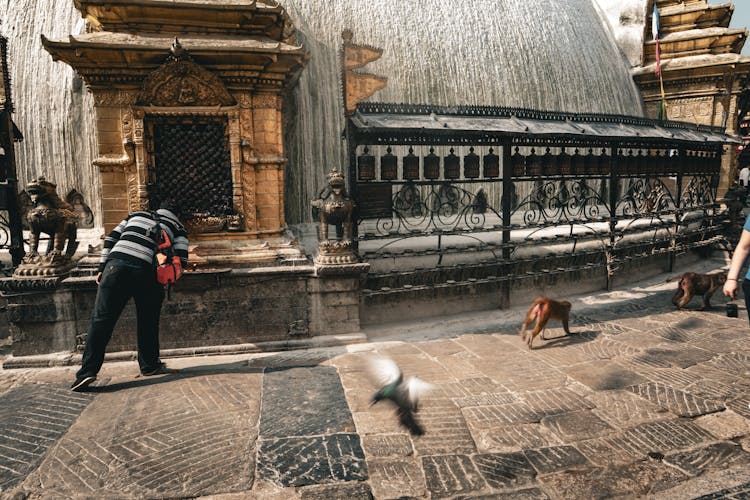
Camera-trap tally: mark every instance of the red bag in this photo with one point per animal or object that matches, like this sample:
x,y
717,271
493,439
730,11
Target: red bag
x,y
168,266
169,272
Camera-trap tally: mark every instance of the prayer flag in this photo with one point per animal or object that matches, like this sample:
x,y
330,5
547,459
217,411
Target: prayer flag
x,y
655,31
655,28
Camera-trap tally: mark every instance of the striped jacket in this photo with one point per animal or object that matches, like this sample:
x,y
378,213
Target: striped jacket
x,y
133,239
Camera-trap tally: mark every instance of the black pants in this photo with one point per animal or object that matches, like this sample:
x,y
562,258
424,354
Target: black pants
x,y
121,281
746,292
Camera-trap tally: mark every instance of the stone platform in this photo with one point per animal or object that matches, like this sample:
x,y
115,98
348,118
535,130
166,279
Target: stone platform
x,y
210,310
642,401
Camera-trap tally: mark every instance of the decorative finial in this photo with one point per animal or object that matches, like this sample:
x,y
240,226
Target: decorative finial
x,y
177,52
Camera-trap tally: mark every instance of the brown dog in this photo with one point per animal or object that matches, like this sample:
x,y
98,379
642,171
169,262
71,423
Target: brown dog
x,y
542,310
692,284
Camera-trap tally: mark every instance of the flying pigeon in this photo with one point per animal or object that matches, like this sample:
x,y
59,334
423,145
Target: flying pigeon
x,y
386,374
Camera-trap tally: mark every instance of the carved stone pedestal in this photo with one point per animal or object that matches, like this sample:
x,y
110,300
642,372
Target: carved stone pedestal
x,y
335,253
30,283
44,268
335,297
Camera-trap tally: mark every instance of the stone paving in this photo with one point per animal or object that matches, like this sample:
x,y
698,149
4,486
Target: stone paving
x,y
642,401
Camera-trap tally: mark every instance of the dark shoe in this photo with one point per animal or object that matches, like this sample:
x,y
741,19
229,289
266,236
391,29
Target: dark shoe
x,y
82,383
161,369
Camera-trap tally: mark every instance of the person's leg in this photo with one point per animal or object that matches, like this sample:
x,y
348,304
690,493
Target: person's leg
x,y
111,298
148,301
746,293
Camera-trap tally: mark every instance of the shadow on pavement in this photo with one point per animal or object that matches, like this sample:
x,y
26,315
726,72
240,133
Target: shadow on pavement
x,y
183,373
576,337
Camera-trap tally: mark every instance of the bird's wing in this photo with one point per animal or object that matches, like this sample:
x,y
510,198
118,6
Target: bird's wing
x,y
416,388
383,371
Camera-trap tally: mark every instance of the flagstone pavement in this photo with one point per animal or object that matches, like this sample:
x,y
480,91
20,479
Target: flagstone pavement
x,y
641,401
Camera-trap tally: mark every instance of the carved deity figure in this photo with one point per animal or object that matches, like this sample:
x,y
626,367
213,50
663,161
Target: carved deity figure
x,y
51,215
335,208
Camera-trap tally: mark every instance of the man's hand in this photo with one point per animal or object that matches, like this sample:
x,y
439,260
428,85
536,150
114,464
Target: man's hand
x,y
730,289
98,278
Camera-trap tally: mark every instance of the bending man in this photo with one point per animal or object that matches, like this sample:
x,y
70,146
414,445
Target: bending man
x,y
127,269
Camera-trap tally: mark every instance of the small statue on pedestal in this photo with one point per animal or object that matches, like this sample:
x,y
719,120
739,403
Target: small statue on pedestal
x,y
334,207
51,215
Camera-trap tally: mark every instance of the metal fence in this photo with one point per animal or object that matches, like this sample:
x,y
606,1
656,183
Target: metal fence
x,y
435,199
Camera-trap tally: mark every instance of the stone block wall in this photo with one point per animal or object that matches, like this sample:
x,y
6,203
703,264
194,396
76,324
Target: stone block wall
x,y
285,307
334,304
40,322
453,295
242,306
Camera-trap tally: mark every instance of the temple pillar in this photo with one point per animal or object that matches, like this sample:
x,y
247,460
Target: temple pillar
x,y
269,168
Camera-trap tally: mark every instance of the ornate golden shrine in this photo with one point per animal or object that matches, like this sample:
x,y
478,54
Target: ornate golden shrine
x,y
703,71
188,101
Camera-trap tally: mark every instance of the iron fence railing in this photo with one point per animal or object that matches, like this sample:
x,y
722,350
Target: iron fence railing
x,y
459,200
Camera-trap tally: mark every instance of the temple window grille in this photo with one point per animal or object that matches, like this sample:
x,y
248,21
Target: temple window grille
x,y
190,162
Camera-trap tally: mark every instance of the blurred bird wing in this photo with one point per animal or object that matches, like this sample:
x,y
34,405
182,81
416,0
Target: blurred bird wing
x,y
383,371
417,388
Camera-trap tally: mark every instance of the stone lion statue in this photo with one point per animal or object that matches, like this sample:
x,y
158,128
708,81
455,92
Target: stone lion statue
x,y
51,215
335,207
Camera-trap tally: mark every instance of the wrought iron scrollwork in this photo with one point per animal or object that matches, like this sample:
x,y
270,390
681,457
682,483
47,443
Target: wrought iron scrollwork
x,y
646,196
443,207
407,202
698,193
629,202
5,240
553,201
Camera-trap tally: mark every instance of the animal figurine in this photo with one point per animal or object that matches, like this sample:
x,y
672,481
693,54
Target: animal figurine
x,y
542,310
334,207
405,394
51,215
692,284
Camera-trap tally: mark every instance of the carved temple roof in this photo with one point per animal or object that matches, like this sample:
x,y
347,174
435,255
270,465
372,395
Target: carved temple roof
x,y
699,65
668,3
683,17
106,58
241,17
401,123
697,41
